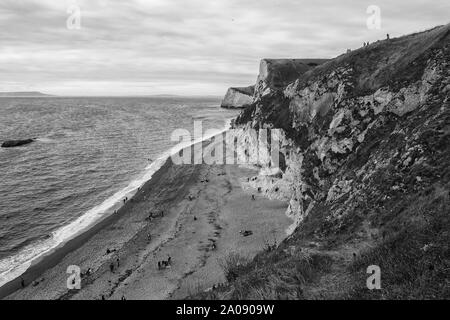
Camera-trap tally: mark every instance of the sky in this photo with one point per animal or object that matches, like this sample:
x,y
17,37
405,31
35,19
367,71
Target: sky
x,y
183,47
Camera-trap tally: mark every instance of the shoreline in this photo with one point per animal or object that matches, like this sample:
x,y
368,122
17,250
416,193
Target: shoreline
x,y
50,259
159,163
197,233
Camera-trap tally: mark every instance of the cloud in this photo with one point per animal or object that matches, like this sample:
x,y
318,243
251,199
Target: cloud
x,y
182,46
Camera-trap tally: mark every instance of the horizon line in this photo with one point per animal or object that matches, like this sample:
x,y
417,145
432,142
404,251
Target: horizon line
x,y
49,95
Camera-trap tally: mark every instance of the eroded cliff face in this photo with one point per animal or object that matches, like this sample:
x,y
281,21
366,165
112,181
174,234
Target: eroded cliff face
x,y
274,74
366,143
334,117
239,97
277,73
366,173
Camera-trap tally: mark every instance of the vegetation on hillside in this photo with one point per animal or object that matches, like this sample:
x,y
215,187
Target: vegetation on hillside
x,y
379,191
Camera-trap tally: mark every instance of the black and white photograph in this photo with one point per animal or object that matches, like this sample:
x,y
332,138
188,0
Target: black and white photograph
x,y
190,152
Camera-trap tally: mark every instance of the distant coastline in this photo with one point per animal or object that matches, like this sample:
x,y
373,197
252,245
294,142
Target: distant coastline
x,y
24,94
37,94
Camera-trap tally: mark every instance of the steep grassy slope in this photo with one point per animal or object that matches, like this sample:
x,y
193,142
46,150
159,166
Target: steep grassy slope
x,y
367,153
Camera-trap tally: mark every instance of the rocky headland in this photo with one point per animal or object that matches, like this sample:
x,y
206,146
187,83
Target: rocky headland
x,y
366,139
238,97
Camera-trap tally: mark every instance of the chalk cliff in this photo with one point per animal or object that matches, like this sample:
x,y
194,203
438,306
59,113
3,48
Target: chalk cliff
x,y
278,73
366,140
274,74
238,97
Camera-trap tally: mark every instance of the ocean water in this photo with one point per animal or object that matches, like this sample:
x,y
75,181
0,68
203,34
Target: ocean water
x,y
89,153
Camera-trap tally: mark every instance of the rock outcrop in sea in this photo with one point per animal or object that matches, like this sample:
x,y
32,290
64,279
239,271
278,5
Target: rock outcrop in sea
x,y
366,140
16,143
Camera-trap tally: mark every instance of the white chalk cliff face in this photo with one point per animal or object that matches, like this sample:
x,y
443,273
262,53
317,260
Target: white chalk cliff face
x,y
351,120
365,143
273,75
278,73
238,97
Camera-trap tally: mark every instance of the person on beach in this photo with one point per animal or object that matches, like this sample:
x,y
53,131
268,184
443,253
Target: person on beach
x,y
118,262
111,267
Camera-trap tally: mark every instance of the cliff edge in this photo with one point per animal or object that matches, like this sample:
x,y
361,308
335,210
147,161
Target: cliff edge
x,y
278,73
366,145
238,97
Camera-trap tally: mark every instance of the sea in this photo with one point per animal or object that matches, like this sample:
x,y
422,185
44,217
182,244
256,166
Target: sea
x,y
89,153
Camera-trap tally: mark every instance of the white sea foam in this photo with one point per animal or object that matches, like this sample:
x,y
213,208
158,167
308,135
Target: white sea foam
x,y
45,140
13,267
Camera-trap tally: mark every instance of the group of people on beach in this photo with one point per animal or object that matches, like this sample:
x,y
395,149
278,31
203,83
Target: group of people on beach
x,y
112,265
165,263
152,215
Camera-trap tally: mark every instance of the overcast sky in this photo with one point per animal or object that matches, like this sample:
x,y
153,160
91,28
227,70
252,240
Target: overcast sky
x,y
186,47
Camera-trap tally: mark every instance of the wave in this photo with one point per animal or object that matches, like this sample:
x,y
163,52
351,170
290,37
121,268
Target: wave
x,y
14,266
45,140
